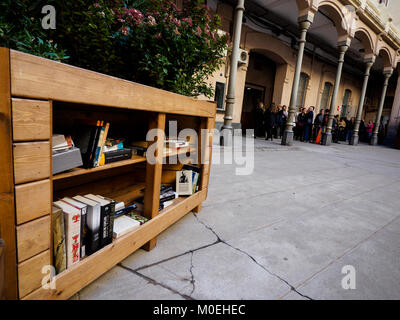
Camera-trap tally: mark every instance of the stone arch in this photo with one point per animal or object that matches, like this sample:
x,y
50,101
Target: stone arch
x,y
384,53
338,15
366,39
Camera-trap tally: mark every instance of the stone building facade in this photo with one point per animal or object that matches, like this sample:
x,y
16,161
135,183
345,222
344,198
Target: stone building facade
x,y
270,38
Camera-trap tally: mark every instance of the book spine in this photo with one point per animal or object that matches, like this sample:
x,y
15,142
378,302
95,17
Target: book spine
x,y
93,231
94,144
72,235
112,217
105,237
98,147
171,197
83,231
59,251
103,141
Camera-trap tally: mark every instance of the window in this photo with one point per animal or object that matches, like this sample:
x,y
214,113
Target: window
x,y
301,92
325,95
345,104
219,97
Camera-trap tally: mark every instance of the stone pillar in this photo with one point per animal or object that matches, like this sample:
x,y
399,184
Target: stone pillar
x,y
304,24
230,97
394,120
327,136
374,138
355,138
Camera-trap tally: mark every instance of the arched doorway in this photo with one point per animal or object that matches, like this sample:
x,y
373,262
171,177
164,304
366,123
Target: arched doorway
x,y
259,87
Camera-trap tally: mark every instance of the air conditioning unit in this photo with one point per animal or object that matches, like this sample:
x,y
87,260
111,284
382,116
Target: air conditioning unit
x,y
243,56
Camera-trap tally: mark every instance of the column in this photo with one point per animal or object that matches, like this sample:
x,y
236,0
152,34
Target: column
x,y
327,136
354,139
394,121
230,97
304,24
374,138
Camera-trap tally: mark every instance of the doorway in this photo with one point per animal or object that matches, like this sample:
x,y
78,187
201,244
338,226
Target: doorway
x,y
253,95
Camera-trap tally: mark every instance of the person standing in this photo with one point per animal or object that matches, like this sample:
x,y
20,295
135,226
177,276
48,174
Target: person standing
x,y
318,122
369,129
300,125
258,120
269,122
285,115
278,122
308,125
350,127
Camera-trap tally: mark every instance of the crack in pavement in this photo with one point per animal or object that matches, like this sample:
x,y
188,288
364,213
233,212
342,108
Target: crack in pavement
x,y
292,288
192,281
155,283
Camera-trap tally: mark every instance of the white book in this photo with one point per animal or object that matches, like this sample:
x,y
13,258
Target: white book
x,y
92,222
83,207
72,221
124,225
184,184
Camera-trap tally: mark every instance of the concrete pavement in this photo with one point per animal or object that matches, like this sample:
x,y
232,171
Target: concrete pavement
x,y
283,232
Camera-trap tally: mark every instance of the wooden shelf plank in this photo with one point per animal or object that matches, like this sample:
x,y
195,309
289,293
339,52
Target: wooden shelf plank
x,y
83,273
80,171
135,159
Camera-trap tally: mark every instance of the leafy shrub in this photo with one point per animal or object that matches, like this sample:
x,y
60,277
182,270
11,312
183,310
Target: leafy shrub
x,y
148,41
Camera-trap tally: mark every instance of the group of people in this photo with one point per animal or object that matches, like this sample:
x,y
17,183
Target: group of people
x,y
271,122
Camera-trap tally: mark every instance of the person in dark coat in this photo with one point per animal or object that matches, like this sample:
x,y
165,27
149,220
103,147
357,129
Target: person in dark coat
x,y
269,122
301,120
258,120
318,122
308,125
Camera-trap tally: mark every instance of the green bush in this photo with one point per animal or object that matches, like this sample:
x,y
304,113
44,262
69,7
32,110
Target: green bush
x,y
147,41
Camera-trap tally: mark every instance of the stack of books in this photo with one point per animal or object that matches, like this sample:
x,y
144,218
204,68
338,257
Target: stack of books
x,y
167,197
65,155
84,224
187,180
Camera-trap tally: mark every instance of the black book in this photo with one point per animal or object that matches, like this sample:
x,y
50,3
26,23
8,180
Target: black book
x,y
167,196
105,219
85,140
117,155
112,213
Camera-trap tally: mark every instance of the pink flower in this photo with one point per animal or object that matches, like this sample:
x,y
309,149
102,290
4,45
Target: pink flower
x,y
198,31
125,31
158,35
189,21
96,5
176,22
151,21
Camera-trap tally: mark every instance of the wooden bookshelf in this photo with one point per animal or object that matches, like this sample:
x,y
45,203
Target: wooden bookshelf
x,y
37,97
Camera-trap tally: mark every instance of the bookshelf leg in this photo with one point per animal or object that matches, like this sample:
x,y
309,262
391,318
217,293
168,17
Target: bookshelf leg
x,y
153,176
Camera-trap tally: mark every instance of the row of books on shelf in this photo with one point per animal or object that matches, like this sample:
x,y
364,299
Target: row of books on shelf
x,y
84,224
91,147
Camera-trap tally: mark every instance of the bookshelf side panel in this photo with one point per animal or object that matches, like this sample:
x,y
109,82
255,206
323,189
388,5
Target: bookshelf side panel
x,y
7,209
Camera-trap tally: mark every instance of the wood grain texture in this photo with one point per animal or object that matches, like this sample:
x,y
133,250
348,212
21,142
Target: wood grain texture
x,y
2,271
153,176
39,78
31,120
206,133
32,200
89,269
31,161
33,237
7,210
30,273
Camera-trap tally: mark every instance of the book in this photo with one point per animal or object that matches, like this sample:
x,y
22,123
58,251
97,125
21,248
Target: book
x,y
92,155
117,155
184,184
59,250
83,208
175,143
124,225
100,145
92,224
125,210
112,212
72,224
196,172
167,196
61,142
86,135
105,219
137,217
